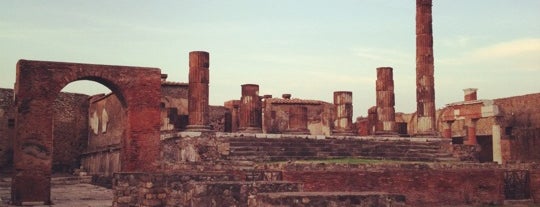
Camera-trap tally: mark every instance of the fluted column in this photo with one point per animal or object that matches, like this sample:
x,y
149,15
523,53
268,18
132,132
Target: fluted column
x,y
250,109
386,116
199,80
344,113
425,83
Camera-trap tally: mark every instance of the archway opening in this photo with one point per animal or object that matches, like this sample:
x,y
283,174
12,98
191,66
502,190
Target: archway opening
x,y
88,129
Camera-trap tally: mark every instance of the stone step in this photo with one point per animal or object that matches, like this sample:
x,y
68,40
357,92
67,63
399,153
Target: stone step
x,y
316,199
70,180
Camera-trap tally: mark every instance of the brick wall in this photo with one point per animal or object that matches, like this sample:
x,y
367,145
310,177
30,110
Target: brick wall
x,y
520,123
70,131
421,186
7,128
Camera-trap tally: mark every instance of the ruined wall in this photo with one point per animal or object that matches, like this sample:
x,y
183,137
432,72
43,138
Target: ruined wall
x,y
319,115
7,128
520,125
217,118
70,131
420,185
106,120
174,108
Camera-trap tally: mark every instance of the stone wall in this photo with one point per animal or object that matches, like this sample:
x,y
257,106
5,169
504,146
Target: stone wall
x,y
174,108
70,131
421,185
7,128
217,118
320,115
106,120
520,124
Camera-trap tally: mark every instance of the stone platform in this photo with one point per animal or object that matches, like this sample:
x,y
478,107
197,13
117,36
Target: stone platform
x,y
65,192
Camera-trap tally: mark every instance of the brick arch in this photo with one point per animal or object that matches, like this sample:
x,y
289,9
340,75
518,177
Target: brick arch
x,y
37,86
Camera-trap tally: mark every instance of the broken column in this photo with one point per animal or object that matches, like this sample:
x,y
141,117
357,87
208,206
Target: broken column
x,y
298,120
198,108
386,116
233,106
425,84
250,109
344,113
470,94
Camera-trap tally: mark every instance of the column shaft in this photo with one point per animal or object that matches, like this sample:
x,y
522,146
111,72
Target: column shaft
x,y
198,92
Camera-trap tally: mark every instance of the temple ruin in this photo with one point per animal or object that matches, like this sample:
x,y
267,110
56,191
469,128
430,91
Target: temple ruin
x,y
157,142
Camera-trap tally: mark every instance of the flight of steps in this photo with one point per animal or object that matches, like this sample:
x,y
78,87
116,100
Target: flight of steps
x,y
285,149
243,189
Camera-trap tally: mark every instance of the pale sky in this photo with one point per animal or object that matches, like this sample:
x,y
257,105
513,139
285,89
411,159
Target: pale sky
x,y
309,48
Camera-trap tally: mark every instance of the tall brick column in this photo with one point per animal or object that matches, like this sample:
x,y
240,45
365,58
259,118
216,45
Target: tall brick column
x,y
298,120
199,79
344,113
250,109
425,84
386,116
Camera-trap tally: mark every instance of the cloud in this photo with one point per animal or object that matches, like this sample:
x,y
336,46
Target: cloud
x,y
513,48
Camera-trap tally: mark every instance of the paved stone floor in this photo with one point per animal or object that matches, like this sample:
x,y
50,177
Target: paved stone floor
x,y
67,195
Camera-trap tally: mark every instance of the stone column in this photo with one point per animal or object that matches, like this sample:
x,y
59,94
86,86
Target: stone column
x,y
496,135
344,113
471,132
233,106
448,129
372,119
199,79
298,120
470,94
250,109
425,83
386,116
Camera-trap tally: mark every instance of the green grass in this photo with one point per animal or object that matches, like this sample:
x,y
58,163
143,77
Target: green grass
x,y
346,160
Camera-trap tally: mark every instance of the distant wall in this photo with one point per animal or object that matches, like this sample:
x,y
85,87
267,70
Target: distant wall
x,y
520,125
421,186
70,130
7,128
320,116
106,121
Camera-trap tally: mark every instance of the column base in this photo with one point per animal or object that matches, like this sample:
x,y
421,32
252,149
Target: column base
x,y
386,133
198,128
343,133
298,131
427,134
252,130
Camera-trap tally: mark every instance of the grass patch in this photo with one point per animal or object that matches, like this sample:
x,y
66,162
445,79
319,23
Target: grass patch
x,y
345,160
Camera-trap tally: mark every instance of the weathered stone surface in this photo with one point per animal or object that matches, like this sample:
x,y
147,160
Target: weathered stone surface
x,y
38,84
298,118
250,118
315,199
386,115
425,86
199,78
344,111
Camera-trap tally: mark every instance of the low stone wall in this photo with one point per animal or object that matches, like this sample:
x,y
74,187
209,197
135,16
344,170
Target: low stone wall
x,y
422,185
342,199
190,189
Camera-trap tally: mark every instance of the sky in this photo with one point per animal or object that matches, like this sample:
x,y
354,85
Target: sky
x,y
308,48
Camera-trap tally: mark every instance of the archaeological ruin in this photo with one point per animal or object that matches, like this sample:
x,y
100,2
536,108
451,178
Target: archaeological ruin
x,y
157,142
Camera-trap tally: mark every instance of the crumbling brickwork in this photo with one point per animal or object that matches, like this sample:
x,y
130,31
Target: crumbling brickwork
x,y
70,131
425,82
37,86
7,129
